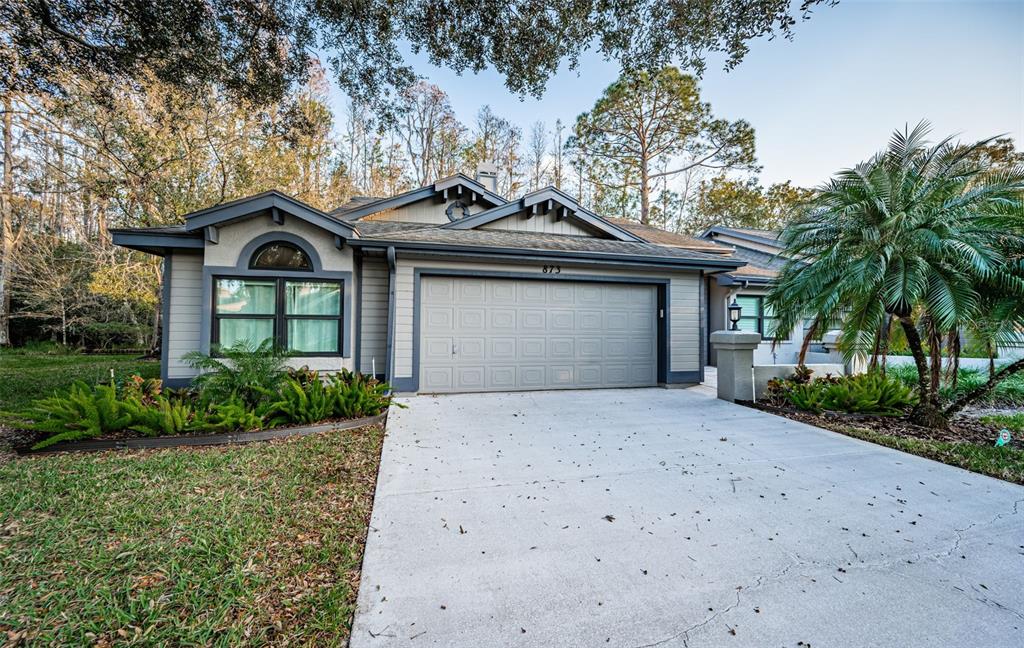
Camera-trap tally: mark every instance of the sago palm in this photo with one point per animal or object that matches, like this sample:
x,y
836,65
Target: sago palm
x,y
914,233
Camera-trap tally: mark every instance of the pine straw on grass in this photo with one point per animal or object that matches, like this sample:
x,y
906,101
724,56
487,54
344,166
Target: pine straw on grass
x,y
253,545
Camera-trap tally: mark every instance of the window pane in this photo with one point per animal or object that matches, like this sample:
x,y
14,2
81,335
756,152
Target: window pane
x,y
281,256
313,336
253,331
245,297
769,327
312,298
748,324
751,306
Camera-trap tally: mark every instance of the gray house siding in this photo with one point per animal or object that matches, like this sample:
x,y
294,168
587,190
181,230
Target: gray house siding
x,y
373,316
184,313
543,223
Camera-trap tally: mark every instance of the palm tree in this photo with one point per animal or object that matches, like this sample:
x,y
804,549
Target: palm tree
x,y
915,234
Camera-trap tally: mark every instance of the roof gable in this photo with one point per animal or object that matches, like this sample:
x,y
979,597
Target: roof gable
x,y
542,203
274,203
458,186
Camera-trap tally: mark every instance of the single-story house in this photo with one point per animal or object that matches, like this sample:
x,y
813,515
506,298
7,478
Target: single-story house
x,y
446,288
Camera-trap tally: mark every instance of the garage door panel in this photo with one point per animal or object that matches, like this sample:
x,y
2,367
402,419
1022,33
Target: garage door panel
x,y
532,377
616,374
561,348
437,348
471,320
589,320
470,378
502,378
502,319
532,348
438,318
480,334
561,320
470,348
471,291
588,375
439,291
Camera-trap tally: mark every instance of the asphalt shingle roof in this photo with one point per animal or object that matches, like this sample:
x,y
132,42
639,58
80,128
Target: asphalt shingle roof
x,y
420,233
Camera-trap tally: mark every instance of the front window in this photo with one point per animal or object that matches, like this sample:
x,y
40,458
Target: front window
x,y
280,256
301,316
756,316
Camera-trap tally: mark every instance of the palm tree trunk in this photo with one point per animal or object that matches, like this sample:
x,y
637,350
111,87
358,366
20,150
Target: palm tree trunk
x,y
979,392
927,411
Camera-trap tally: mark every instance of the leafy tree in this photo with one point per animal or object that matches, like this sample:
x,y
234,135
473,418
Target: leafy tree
x,y
926,236
650,126
257,50
745,203
52,282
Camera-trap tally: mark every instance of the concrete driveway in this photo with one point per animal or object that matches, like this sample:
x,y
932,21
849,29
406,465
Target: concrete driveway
x,y
655,517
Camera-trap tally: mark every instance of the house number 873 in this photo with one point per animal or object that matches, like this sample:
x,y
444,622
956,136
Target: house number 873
x,y
552,269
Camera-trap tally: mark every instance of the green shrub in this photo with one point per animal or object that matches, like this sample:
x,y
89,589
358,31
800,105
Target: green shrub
x,y
83,413
345,394
359,395
162,416
252,373
1009,392
301,403
870,393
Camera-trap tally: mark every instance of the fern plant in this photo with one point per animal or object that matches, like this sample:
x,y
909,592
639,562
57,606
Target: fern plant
x,y
83,413
301,403
244,370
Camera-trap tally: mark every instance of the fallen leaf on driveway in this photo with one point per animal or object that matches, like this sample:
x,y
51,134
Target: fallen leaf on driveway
x,y
610,518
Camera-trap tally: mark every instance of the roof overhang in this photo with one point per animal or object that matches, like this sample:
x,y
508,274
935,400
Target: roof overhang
x,y
158,243
273,203
746,236
513,253
456,187
543,202
739,280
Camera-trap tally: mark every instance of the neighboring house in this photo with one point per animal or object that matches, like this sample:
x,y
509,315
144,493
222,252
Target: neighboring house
x,y
749,285
446,288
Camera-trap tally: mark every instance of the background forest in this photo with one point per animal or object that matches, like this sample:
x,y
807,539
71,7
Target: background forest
x,y
103,155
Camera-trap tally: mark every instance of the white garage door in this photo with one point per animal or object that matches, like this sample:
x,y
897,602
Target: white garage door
x,y
508,334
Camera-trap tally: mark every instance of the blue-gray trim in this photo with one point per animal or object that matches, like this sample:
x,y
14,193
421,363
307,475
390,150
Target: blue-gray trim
x,y
165,317
250,248
702,318
685,377
265,202
663,284
241,269
176,383
156,243
489,252
728,231
537,197
389,370
731,280
357,315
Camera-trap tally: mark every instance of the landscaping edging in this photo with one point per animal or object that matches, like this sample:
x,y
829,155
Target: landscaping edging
x,y
231,438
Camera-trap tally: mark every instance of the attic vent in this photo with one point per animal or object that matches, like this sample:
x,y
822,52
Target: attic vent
x,y
457,210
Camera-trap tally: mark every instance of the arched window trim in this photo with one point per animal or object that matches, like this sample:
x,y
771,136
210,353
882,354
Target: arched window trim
x,y
311,266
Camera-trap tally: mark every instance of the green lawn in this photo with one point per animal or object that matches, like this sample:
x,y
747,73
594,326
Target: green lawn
x,y
26,376
1012,422
247,545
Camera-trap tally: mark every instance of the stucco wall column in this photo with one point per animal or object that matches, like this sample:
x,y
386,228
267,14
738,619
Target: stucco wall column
x,y
735,351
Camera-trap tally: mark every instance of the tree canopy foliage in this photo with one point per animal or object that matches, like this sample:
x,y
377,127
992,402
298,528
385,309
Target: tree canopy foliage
x,y
650,126
257,50
929,237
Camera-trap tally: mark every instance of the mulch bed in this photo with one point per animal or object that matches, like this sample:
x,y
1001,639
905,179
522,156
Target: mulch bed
x,y
962,429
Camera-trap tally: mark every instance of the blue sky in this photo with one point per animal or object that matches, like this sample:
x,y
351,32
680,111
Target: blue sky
x,y
830,97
